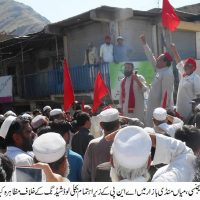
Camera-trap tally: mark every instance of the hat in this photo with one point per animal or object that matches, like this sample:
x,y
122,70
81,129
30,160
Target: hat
x,y
198,107
27,115
168,56
87,107
160,114
149,130
56,111
109,115
47,108
6,125
10,113
131,147
120,37
49,147
192,62
38,121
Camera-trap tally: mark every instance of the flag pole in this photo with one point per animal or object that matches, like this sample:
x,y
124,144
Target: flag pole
x,y
170,37
158,3
164,39
111,99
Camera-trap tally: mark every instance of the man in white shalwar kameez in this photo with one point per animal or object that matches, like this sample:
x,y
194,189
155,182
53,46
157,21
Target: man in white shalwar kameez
x,y
189,85
130,162
161,92
161,122
132,88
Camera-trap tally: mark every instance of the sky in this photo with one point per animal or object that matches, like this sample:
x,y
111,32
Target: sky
x,y
57,10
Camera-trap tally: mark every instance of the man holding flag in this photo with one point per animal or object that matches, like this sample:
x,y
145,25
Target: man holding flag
x,y
161,93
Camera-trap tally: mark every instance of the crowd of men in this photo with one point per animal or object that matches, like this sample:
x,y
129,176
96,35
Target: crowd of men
x,y
161,143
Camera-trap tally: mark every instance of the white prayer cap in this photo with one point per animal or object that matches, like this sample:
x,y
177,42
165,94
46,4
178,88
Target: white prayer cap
x,y
160,114
49,147
6,125
10,113
120,37
27,115
109,115
131,147
56,111
149,130
38,121
47,108
87,107
198,107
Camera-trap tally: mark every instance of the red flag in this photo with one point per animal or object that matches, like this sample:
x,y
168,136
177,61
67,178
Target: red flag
x,y
169,18
164,103
68,88
100,91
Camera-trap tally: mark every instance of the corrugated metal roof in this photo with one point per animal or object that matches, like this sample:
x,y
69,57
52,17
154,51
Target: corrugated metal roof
x,y
194,9
85,17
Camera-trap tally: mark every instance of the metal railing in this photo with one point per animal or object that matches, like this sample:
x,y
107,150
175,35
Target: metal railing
x,y
44,84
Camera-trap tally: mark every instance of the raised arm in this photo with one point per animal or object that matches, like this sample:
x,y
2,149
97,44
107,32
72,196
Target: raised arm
x,y
141,82
178,157
179,63
50,176
175,53
148,51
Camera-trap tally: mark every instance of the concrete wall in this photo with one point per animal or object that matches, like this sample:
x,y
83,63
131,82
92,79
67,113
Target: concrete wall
x,y
185,42
79,38
198,44
131,30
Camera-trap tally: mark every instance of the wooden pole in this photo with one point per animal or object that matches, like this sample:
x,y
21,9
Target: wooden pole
x,y
158,3
111,99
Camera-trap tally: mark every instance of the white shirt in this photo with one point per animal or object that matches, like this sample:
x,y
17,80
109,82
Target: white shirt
x,y
19,157
95,129
139,98
106,52
91,56
189,88
170,129
162,84
178,156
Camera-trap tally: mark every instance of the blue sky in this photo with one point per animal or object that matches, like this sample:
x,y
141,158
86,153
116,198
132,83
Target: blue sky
x,y
57,10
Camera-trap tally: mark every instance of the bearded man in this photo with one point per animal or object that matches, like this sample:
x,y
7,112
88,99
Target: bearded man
x,y
132,90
